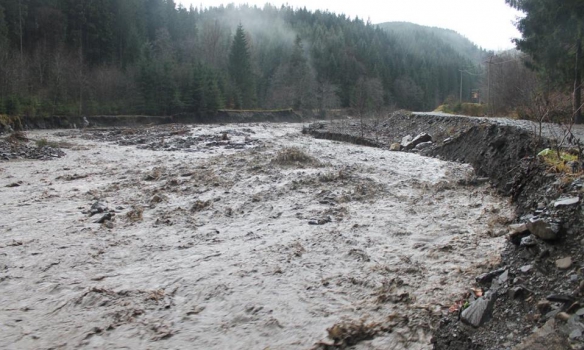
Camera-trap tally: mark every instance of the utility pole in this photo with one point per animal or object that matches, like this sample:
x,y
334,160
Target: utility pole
x,y
490,62
460,96
20,25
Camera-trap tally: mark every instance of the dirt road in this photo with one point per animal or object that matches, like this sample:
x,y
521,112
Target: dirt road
x,y
235,237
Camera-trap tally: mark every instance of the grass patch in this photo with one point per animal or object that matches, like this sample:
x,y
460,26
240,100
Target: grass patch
x,y
470,109
558,161
44,142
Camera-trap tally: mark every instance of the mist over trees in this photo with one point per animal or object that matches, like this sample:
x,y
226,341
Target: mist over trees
x,y
152,57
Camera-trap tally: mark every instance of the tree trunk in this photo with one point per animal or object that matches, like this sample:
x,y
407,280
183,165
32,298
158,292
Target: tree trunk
x,y
578,85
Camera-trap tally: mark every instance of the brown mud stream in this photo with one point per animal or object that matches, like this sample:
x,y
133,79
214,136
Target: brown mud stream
x,y
262,238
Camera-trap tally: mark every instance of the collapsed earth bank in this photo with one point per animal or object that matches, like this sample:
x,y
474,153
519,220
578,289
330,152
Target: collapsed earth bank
x,y
534,299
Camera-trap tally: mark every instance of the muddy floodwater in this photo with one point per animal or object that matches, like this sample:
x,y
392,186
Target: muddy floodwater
x,y
235,237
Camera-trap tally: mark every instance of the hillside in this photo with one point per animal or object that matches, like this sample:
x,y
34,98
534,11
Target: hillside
x,y
420,38
154,57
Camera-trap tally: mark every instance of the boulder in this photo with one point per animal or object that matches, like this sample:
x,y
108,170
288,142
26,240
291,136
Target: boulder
x,y
544,230
421,138
406,140
423,145
480,311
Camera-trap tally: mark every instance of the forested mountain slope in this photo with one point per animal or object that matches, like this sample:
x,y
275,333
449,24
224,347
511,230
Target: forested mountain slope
x,y
420,39
152,57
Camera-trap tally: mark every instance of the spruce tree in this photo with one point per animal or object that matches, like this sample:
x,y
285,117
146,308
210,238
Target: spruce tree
x,y
240,69
552,36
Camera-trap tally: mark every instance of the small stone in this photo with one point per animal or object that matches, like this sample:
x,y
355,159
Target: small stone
x,y
574,278
109,224
566,202
564,264
488,277
560,298
563,316
580,312
544,306
528,241
526,268
395,147
576,333
104,218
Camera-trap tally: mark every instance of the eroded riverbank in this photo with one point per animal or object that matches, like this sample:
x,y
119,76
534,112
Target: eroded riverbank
x,y
233,242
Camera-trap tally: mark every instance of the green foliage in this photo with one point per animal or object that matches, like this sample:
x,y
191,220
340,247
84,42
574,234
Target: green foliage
x,y
240,69
152,57
552,36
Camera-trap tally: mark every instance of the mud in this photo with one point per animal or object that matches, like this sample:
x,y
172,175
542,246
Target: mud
x,y
253,236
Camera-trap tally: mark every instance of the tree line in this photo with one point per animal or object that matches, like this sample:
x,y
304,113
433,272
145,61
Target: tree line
x,y
70,57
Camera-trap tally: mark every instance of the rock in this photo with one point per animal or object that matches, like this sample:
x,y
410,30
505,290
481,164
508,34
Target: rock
x,y
109,224
423,145
563,316
395,147
544,306
576,333
560,298
406,140
480,311
503,278
526,268
564,264
580,312
565,202
545,338
543,229
423,137
489,276
321,221
97,208
517,233
106,217
528,241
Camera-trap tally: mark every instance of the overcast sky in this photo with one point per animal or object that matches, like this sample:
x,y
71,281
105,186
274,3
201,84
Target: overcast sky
x,y
488,23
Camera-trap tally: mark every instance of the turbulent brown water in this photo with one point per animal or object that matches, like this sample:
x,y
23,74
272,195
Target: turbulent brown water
x,y
214,248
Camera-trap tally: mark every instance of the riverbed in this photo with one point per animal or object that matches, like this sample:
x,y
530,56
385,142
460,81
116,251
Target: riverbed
x,y
242,236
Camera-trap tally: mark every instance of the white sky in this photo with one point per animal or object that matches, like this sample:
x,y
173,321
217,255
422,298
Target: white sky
x,y
488,23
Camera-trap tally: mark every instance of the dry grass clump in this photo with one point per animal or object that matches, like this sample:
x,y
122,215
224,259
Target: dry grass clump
x,y
136,214
346,334
17,137
200,206
294,156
